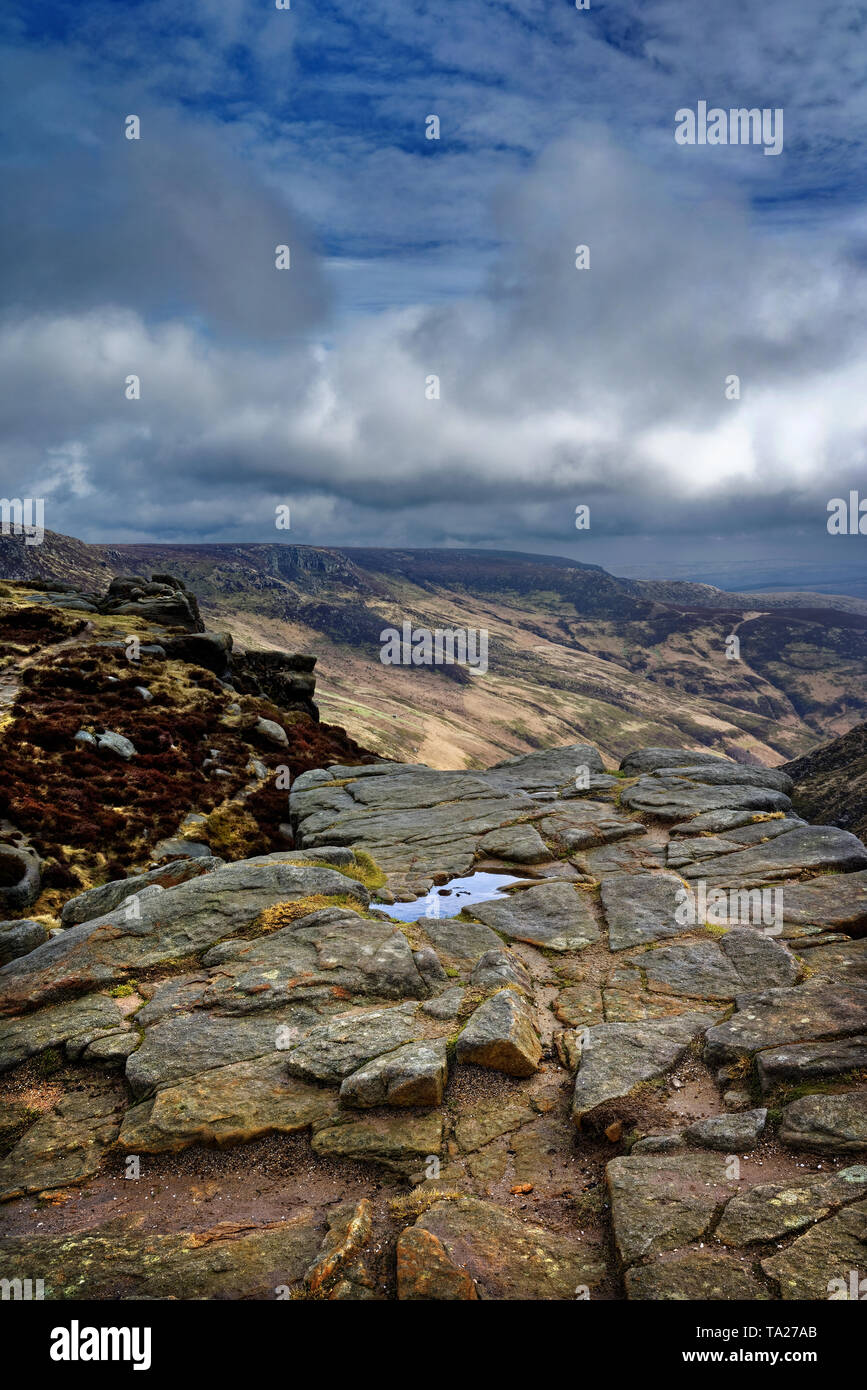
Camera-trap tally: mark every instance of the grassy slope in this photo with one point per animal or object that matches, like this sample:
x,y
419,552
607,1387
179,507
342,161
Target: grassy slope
x,y
631,684
574,652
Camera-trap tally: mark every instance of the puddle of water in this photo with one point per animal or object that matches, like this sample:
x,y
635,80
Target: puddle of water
x,y
450,898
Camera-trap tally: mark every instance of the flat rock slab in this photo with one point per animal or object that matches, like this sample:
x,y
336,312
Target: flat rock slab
x,y
331,950
506,1258
835,901
402,1140
21,1038
488,1120
554,915
833,1124
172,923
95,902
580,1006
119,1260
671,798
631,1005
416,826
667,1141
553,769
651,759
582,825
520,844
810,848
185,1044
694,1277
804,1062
663,1201
742,960
464,941
683,853
617,1057
501,1034
63,1147
228,1105
640,908
776,1017
771,1211
688,851
818,1264
731,1133
425,1271
720,822
417,821
731,775
762,829
330,1051
415,1074
845,959
631,856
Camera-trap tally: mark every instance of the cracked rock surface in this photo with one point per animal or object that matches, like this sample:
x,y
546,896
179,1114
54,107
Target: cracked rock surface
x,y
571,1086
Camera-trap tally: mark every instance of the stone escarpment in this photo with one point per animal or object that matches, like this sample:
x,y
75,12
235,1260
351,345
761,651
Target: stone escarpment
x,y
637,1072
285,678
166,603
831,782
130,734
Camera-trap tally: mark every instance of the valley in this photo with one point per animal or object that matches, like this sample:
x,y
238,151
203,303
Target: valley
x,y
573,652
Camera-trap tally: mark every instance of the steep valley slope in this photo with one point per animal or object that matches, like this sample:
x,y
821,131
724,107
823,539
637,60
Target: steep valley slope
x,y
573,651
831,782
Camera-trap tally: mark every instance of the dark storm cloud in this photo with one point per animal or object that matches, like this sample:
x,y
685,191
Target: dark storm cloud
x,y
174,225
557,386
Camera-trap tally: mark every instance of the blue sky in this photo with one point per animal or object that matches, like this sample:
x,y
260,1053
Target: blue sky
x,y
453,257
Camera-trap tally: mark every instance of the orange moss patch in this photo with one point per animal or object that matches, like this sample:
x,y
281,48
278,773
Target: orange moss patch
x,y
282,914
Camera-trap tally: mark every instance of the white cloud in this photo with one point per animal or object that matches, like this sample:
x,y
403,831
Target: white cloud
x,y
557,386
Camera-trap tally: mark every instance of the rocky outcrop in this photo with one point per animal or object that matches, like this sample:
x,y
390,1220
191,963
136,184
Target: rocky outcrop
x,y
284,678
418,823
830,784
501,1034
20,879
124,1261
164,600
115,726
575,1059
19,937
212,650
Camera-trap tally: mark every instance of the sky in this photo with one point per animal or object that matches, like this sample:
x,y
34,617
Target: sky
x,y
410,258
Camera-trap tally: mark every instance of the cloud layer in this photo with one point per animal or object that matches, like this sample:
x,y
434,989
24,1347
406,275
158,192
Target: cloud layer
x,y
455,259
